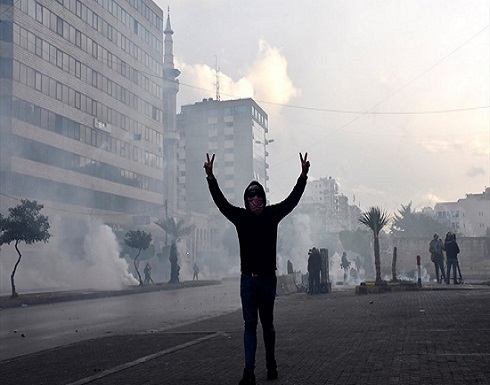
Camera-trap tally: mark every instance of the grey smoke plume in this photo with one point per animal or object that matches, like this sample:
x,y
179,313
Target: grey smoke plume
x,y
80,256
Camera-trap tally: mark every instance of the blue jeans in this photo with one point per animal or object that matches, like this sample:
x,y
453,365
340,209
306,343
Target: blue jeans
x,y
452,263
258,295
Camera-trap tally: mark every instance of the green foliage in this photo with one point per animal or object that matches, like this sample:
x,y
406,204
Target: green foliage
x,y
408,223
140,240
25,223
175,229
375,219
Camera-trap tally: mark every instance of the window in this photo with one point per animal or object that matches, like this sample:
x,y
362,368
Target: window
x,y
77,99
59,91
95,21
38,81
95,48
39,13
39,46
79,8
78,69
59,58
78,38
59,25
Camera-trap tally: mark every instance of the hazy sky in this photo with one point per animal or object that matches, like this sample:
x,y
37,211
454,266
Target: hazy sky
x,y
390,98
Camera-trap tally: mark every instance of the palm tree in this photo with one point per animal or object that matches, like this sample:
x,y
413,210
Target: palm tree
x,y
375,219
175,229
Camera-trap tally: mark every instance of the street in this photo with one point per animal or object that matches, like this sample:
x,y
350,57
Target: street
x,y
34,328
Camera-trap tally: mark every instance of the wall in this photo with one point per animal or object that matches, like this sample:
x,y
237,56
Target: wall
x,y
474,259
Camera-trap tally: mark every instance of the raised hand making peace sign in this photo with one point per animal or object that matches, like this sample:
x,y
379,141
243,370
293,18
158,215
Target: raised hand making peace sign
x,y
305,165
208,166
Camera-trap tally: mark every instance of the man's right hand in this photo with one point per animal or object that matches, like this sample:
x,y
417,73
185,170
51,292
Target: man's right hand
x,y
208,166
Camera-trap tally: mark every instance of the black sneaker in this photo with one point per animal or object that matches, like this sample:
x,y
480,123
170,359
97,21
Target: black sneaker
x,y
272,374
248,378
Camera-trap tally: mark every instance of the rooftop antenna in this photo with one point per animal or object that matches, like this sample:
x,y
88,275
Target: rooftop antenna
x,y
216,72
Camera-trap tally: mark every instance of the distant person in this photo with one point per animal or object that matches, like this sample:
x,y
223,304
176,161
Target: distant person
x,y
290,267
345,264
147,271
256,227
436,248
314,268
452,251
196,272
358,263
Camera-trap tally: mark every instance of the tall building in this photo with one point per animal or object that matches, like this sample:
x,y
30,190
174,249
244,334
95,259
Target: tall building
x,y
234,130
327,207
81,107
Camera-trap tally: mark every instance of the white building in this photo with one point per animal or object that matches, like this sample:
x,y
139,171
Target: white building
x,y
81,107
469,216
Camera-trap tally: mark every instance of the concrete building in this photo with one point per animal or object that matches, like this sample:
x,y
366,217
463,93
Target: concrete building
x,y
234,130
328,207
469,216
81,114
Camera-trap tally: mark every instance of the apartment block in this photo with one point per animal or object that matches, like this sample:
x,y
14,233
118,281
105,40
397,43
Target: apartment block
x,y
468,216
81,108
236,132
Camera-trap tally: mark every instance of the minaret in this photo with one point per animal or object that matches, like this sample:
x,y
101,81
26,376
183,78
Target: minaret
x,y
170,134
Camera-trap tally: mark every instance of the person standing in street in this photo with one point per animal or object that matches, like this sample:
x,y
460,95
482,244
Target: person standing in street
x,y
345,264
195,268
452,251
437,257
314,268
256,227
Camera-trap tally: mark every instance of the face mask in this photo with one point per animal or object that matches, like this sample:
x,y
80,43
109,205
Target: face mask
x,y
256,204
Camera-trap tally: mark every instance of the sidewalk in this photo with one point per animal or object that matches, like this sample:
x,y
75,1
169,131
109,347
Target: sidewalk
x,y
413,337
43,298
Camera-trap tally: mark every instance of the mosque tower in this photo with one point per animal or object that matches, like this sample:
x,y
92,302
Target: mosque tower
x,y
170,134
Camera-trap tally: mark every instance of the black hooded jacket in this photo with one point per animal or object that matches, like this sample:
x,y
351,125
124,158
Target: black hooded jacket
x,y
257,234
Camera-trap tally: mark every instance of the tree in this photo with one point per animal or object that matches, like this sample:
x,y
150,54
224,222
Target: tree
x,y
375,219
25,223
139,240
408,223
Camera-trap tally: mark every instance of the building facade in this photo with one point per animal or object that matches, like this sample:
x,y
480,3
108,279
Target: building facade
x,y
330,208
469,216
234,130
81,107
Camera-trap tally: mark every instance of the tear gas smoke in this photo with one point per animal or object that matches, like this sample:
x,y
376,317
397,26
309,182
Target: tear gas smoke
x,y
84,255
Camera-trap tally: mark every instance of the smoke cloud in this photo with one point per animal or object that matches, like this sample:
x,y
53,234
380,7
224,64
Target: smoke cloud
x,y
265,79
81,256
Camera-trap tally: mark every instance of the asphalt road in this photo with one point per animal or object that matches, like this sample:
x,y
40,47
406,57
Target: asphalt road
x,y
30,329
